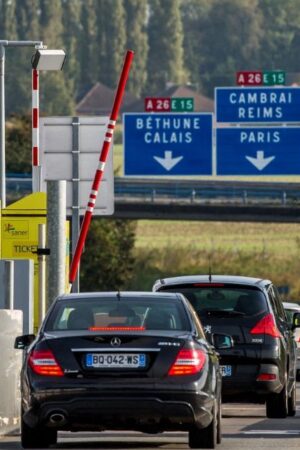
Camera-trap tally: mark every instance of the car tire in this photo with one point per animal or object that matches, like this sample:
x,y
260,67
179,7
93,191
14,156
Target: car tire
x,y
277,404
219,424
204,437
37,437
292,402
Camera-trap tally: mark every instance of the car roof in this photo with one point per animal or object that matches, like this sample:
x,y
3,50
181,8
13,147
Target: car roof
x,y
289,305
119,295
226,279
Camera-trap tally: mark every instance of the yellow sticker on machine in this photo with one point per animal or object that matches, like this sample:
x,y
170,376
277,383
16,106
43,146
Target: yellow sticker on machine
x,y
12,229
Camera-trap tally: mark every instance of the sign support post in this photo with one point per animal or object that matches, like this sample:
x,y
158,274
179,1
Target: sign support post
x,y
75,194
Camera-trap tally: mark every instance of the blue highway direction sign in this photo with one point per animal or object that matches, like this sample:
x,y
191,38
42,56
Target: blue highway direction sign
x,y
167,144
258,151
276,104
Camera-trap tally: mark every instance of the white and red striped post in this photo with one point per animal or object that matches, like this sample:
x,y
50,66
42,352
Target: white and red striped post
x,y
99,172
36,176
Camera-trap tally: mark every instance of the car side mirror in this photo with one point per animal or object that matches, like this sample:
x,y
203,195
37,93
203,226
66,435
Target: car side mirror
x,y
296,321
222,341
24,341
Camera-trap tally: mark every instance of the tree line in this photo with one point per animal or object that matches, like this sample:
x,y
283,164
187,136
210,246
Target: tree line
x,y
202,42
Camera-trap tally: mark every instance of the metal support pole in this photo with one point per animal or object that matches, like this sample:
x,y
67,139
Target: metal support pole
x,y
2,127
75,194
284,198
9,286
42,272
56,233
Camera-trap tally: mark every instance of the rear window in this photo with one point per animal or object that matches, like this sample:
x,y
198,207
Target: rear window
x,y
104,314
223,301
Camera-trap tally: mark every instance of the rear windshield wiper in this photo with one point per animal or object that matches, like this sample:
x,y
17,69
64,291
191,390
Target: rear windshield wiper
x,y
220,313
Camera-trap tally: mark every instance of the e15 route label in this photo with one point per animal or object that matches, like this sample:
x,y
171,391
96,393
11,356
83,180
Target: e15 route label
x,y
258,78
278,104
258,151
167,144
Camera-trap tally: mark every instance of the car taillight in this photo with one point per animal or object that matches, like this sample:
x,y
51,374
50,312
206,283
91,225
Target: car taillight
x,y
188,362
266,325
266,377
43,362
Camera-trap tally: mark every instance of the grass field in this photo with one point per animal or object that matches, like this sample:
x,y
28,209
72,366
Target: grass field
x,y
283,239
171,248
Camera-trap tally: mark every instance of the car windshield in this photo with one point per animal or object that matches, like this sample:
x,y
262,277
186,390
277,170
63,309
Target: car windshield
x,y
223,301
105,314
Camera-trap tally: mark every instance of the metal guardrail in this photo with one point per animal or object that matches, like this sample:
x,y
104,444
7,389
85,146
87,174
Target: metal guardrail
x,y
207,192
182,191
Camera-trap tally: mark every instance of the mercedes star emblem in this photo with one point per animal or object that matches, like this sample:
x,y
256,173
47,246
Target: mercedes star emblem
x,y
115,342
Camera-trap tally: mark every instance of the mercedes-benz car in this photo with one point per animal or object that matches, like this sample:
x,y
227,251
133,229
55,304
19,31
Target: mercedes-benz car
x,y
261,366
122,360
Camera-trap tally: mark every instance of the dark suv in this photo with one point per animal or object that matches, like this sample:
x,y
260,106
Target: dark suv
x,y
260,367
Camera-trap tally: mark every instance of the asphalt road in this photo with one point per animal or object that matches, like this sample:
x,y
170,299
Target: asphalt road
x,y
244,427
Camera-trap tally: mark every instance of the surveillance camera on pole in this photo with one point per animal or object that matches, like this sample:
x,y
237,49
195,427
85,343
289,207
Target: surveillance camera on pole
x,y
45,59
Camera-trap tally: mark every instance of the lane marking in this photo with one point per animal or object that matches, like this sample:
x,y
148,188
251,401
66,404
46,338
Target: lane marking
x,y
270,432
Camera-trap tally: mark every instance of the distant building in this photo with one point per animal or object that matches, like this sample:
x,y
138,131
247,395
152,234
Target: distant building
x,y
99,99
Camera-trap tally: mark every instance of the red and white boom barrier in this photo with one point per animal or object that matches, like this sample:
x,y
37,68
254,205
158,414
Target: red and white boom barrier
x,y
35,132
99,172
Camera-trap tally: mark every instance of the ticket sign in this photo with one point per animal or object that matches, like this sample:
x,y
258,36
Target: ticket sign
x,y
167,104
259,78
257,104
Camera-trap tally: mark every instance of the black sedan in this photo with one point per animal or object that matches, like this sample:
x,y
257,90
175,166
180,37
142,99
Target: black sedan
x,y
122,361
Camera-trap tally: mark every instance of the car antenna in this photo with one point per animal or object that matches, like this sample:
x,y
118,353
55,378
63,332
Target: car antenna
x,y
209,271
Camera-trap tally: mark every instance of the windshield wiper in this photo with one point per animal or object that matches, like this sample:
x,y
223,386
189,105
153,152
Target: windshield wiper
x,y
221,313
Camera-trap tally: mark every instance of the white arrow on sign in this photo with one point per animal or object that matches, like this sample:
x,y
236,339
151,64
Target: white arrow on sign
x,y
168,162
260,162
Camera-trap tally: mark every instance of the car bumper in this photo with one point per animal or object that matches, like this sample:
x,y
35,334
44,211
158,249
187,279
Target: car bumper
x,y
298,359
244,385
161,410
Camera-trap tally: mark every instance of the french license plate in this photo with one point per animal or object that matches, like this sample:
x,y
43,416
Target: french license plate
x,y
115,360
226,371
